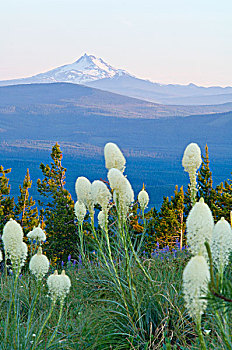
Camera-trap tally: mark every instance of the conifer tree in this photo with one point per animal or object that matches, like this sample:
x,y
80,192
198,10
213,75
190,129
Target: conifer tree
x,y
57,208
222,200
178,206
6,201
25,211
166,223
205,181
167,226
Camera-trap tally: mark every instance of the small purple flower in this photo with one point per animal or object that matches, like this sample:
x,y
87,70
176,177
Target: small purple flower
x,y
20,276
34,241
69,257
62,263
74,262
80,260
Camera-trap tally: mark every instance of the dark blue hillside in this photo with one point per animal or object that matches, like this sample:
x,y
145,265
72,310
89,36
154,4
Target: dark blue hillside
x,y
159,175
82,120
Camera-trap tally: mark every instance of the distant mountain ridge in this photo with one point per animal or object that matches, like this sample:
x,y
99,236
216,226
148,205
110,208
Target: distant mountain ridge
x,y
95,72
66,98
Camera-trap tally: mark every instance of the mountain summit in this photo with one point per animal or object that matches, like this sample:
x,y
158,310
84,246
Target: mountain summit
x,y
94,72
87,68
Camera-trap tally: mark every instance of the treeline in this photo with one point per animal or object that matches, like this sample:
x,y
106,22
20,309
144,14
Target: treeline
x,y
55,209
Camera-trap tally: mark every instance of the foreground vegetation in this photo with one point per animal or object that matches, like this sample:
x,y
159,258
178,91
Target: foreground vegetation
x,y
126,272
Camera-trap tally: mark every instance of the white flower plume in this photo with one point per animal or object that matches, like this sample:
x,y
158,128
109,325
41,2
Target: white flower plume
x,y
37,234
200,225
195,286
12,239
58,285
80,211
123,192
114,157
191,162
115,178
143,199
221,246
192,158
83,191
23,254
100,194
39,264
102,219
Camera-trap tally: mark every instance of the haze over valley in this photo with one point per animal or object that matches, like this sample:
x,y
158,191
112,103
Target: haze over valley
x,y
88,103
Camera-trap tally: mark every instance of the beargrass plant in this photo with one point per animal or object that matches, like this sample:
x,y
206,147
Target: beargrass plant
x,y
204,274
121,298
136,308
21,328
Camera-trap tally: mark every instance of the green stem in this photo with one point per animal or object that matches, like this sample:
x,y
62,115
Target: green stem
x,y
80,230
210,264
143,233
138,260
199,331
33,308
14,298
193,187
117,277
58,322
44,324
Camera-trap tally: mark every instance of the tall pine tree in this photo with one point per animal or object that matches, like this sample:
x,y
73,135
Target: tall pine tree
x,y
57,209
25,210
205,181
168,225
222,201
6,201
178,206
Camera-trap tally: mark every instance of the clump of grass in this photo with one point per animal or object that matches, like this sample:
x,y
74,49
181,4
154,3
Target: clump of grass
x,y
121,298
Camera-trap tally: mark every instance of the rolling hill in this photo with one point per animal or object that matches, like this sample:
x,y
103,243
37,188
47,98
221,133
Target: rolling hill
x,y
69,98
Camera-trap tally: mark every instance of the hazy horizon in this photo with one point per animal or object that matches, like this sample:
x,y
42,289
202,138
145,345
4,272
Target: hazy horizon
x,y
166,42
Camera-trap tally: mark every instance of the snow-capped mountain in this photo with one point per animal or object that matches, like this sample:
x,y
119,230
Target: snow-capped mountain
x,y
86,69
94,72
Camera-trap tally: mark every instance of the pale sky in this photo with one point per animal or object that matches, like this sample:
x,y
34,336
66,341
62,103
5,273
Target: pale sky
x,y
166,41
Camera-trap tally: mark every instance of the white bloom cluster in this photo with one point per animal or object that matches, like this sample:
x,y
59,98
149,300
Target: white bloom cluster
x,y
192,158
83,191
24,251
200,225
58,285
39,264
1,257
191,162
115,178
100,194
221,246
80,211
126,193
37,234
15,248
195,285
123,192
114,157
143,199
102,218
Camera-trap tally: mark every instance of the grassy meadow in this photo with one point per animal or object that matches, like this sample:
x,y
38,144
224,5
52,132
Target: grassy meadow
x,y
122,295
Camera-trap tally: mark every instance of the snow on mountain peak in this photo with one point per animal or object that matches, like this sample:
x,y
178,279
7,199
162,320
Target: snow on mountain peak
x,y
86,69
